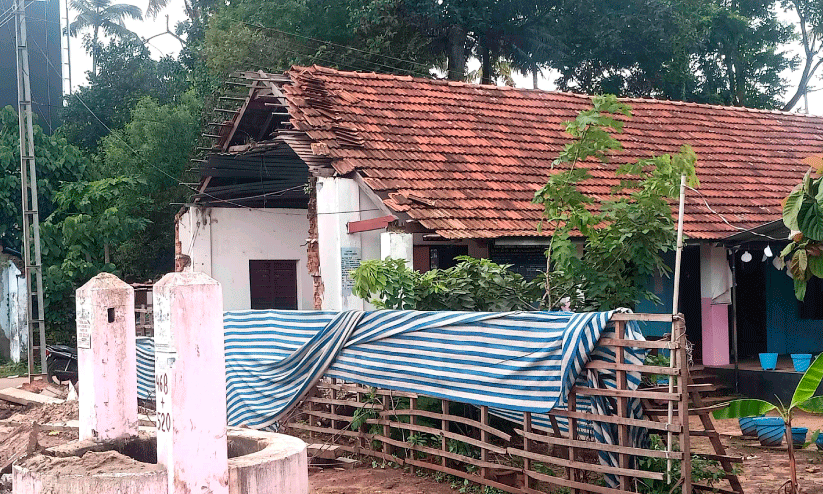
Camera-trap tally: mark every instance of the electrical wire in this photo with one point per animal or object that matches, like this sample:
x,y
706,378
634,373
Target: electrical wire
x,y
739,228
424,73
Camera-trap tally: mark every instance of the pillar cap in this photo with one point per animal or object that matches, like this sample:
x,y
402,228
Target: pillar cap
x,y
185,278
105,281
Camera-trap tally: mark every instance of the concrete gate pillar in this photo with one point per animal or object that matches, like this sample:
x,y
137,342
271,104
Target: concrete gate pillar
x,y
397,245
190,382
106,359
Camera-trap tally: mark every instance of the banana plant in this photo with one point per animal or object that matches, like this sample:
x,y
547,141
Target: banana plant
x,y
803,399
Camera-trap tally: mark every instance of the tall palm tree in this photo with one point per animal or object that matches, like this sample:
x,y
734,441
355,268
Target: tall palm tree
x,y
102,14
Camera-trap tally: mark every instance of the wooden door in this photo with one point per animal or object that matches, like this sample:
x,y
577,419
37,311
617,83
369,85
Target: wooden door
x,y
273,284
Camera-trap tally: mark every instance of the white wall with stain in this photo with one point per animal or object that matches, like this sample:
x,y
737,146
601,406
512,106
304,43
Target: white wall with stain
x,y
13,330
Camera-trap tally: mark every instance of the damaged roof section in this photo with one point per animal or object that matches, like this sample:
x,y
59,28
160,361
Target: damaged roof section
x,y
464,160
257,159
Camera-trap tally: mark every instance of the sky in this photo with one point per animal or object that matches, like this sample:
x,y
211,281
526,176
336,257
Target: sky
x,y
159,46
167,45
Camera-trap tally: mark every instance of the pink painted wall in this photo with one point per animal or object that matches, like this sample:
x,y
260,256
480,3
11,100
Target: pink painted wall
x,y
715,320
715,296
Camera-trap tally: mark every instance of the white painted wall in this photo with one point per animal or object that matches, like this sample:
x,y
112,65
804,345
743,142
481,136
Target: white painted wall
x,y
397,245
13,331
340,201
222,241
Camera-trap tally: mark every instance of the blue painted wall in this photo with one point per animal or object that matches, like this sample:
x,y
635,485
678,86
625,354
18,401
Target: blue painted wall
x,y
787,333
663,288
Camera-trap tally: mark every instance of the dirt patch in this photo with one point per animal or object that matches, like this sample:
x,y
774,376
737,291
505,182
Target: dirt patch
x,y
35,386
765,469
91,463
48,414
374,481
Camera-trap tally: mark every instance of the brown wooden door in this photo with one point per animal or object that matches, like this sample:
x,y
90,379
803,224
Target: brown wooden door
x,y
273,284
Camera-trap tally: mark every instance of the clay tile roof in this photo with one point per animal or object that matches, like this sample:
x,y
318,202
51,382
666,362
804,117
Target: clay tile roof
x,y
464,160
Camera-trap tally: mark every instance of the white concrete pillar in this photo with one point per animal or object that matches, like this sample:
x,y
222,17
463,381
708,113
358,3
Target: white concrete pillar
x,y
107,360
338,202
715,297
190,383
397,245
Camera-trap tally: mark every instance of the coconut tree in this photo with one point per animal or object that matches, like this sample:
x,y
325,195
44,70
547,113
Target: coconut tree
x,y
102,15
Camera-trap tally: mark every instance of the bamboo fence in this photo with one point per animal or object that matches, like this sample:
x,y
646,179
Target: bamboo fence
x,y
468,442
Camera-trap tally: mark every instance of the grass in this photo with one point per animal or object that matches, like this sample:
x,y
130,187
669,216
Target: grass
x,y
10,368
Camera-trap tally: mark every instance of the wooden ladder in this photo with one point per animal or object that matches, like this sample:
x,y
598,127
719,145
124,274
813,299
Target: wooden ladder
x,y
698,407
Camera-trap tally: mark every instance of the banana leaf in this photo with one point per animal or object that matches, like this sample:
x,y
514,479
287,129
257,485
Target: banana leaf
x,y
809,383
814,405
743,408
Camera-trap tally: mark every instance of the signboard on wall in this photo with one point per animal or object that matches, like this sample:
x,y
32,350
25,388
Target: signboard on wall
x,y
349,261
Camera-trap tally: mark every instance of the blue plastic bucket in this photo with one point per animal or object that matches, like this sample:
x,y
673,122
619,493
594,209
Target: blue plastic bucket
x,y
770,430
819,441
801,361
799,435
747,426
768,361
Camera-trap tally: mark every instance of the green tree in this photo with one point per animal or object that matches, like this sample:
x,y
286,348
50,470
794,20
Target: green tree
x,y
90,220
120,217
517,31
628,46
57,162
809,15
706,51
127,74
154,148
347,34
102,14
624,236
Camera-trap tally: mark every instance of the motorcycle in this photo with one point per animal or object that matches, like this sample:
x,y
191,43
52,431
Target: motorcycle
x,y
61,363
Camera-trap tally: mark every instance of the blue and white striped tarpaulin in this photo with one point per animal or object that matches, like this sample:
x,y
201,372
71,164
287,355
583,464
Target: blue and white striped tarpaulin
x,y
515,361
512,362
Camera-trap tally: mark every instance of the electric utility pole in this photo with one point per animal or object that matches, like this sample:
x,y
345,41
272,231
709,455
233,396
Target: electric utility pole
x,y
28,181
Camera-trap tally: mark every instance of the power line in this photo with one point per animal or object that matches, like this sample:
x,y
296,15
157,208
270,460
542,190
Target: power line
x,y
425,72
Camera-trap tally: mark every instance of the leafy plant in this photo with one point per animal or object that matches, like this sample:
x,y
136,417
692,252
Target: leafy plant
x,y
657,360
703,470
365,412
803,215
802,399
625,235
463,449
473,284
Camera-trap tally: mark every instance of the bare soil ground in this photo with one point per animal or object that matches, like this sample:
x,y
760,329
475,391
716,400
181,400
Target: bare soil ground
x,y
765,469
364,480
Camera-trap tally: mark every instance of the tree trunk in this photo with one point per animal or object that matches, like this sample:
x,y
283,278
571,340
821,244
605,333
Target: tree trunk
x,y
792,462
94,51
106,256
534,78
808,72
457,53
486,60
